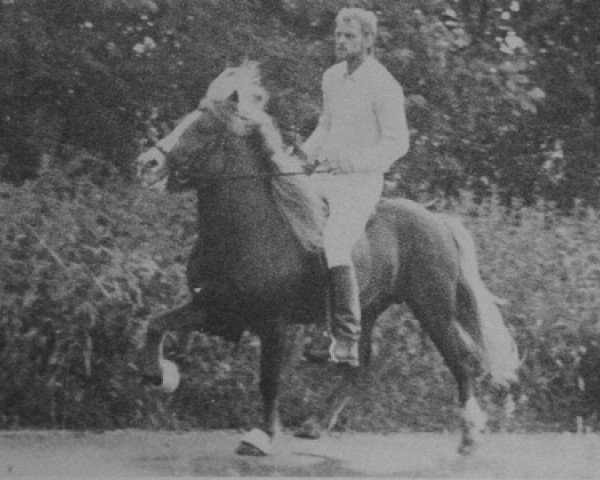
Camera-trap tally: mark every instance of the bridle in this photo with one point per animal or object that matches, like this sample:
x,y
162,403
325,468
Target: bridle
x,y
257,175
181,178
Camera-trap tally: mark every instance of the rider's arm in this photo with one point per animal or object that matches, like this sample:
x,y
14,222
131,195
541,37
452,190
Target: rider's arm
x,y
388,107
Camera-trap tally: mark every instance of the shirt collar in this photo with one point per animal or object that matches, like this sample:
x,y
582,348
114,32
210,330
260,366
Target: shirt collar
x,y
361,71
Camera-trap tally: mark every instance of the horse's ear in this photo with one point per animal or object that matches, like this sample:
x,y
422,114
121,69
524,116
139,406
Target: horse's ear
x,y
234,97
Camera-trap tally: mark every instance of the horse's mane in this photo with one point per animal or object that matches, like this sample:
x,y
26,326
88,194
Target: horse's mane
x,y
296,196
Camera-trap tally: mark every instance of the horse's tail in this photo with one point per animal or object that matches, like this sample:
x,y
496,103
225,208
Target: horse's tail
x,y
480,324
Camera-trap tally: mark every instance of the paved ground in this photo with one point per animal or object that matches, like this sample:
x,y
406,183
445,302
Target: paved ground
x,y
143,453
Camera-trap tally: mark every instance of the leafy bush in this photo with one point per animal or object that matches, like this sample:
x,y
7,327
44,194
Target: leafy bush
x,y
74,297
109,76
548,266
82,268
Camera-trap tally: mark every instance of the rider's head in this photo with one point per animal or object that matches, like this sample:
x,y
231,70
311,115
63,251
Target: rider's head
x,y
355,31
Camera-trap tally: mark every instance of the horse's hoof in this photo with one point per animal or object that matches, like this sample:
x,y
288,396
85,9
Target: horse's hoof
x,y
167,378
309,429
170,376
255,443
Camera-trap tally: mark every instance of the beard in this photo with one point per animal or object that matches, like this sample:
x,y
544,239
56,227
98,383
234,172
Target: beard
x,y
342,54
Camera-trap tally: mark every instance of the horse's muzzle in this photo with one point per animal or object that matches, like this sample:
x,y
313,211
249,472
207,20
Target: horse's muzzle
x,y
182,175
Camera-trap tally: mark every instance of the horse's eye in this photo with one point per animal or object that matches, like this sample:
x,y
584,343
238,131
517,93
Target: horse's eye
x,y
234,97
258,97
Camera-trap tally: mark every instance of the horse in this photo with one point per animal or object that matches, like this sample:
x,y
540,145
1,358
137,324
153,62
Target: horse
x,y
257,264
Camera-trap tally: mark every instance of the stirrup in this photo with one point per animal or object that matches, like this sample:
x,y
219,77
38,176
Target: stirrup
x,y
350,360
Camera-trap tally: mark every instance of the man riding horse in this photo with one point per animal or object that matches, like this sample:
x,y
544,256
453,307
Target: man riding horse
x,y
361,133
251,268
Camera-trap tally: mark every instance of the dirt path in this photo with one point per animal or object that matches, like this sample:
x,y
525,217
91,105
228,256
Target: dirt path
x,y
140,453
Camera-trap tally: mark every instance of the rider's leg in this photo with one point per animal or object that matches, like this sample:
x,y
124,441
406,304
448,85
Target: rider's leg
x,y
352,200
346,315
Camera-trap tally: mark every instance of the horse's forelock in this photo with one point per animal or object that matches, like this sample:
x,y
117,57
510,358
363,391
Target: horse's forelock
x,y
247,75
266,137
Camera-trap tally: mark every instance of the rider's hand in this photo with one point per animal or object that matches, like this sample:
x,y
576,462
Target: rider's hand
x,y
309,164
329,162
309,168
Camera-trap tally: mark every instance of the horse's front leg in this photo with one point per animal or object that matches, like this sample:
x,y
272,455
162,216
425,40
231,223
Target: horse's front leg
x,y
185,318
272,362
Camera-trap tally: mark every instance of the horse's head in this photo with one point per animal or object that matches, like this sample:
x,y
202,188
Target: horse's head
x,y
241,86
233,106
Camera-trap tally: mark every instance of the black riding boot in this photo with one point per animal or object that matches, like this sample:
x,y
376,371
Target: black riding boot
x,y
343,346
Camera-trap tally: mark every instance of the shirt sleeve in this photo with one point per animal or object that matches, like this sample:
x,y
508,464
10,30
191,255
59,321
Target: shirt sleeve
x,y
388,107
313,145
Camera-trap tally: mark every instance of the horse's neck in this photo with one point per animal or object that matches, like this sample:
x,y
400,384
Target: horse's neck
x,y
242,206
243,238
235,203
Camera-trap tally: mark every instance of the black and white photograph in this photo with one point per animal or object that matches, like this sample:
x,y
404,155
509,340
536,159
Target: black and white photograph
x,y
300,238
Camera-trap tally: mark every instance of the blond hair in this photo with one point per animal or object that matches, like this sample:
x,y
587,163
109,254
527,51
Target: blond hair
x,y
366,19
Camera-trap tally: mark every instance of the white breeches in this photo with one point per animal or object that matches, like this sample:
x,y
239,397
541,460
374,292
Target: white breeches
x,y
352,200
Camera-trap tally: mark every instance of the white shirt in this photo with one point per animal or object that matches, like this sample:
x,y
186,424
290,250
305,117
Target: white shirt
x,y
363,123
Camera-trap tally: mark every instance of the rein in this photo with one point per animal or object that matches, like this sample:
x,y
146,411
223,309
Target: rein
x,y
310,170
226,177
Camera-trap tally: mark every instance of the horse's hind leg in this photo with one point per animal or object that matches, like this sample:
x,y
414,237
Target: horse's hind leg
x,y
369,316
437,319
350,382
353,380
